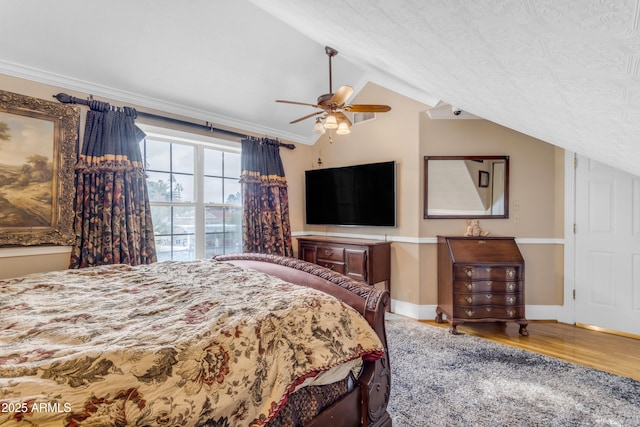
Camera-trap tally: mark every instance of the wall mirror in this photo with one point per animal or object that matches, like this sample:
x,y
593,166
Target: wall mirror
x,y
466,187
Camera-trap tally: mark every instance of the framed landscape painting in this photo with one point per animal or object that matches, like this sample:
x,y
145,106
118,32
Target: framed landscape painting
x,y
38,141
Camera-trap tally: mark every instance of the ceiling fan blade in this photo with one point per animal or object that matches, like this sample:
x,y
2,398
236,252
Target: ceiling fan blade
x,y
298,103
341,95
306,117
367,108
341,117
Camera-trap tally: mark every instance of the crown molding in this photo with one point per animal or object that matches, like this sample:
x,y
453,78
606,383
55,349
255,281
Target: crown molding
x,y
142,101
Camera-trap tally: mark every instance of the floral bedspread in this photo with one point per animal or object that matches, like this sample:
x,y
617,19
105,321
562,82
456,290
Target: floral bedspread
x,y
172,343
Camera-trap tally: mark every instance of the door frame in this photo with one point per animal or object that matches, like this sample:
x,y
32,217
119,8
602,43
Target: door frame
x,y
568,312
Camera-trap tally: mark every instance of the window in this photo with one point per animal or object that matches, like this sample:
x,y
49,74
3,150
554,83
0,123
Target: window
x,y
195,194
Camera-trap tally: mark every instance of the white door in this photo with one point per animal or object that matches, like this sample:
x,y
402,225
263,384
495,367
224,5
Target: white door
x,y
607,277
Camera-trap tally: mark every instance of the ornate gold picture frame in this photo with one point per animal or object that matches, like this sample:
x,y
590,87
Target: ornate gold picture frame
x,y
38,145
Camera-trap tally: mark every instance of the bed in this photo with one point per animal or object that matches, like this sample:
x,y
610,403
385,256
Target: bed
x,y
239,340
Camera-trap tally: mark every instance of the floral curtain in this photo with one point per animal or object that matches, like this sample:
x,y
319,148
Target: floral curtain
x,y
266,226
112,213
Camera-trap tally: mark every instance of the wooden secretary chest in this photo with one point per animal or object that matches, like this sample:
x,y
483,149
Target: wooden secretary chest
x,y
480,279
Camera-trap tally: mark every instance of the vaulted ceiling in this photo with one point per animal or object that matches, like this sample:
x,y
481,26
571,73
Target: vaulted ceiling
x,y
563,71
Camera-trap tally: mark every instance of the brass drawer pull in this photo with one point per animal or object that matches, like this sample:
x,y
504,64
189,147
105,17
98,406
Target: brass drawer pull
x,y
469,285
469,272
469,300
330,266
511,313
511,300
488,296
511,273
328,253
470,313
511,286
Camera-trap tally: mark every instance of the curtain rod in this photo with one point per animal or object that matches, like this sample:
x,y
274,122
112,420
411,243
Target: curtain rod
x,y
68,99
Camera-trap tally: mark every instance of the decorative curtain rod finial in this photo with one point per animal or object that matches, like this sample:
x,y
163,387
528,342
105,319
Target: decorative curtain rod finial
x,y
64,98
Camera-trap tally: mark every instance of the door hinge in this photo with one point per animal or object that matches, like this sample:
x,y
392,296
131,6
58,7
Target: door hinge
x,y
575,161
574,228
574,294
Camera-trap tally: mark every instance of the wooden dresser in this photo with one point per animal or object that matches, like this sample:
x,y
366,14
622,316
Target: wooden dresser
x,y
480,279
367,261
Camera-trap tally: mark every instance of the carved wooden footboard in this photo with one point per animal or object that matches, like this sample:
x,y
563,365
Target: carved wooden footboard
x,y
365,405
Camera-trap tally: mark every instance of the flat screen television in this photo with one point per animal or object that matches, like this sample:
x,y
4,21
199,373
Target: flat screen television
x,y
359,195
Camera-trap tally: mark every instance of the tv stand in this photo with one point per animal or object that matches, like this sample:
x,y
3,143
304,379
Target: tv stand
x,y
367,261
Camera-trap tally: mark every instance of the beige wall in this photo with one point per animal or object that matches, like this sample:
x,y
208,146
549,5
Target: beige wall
x,y
536,198
391,136
406,135
16,262
532,176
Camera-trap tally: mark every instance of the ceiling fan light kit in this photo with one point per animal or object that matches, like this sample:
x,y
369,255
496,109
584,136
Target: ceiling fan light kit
x,y
330,122
318,128
332,106
343,129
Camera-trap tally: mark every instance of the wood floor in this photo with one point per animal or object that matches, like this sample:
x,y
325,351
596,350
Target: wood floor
x,y
601,350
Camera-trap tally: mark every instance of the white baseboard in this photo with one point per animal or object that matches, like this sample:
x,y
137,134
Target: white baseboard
x,y
428,312
414,311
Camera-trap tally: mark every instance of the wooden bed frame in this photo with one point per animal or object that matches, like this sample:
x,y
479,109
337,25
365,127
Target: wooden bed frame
x,y
366,404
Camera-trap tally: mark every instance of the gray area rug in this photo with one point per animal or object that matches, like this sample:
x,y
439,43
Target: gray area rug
x,y
438,379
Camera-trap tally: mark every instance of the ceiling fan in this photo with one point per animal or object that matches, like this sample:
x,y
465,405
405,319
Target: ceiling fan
x,y
332,106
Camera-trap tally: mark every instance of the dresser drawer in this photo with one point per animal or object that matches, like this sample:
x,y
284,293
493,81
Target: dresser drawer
x,y
487,272
489,312
367,261
338,267
468,286
330,253
487,298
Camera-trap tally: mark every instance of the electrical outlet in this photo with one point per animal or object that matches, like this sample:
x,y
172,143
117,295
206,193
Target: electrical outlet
x,y
516,219
410,296
516,204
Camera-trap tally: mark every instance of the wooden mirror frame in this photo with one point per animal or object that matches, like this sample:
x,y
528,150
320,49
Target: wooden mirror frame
x,y
505,214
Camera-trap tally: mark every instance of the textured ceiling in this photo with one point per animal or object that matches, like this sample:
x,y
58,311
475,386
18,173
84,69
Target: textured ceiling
x,y
565,72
